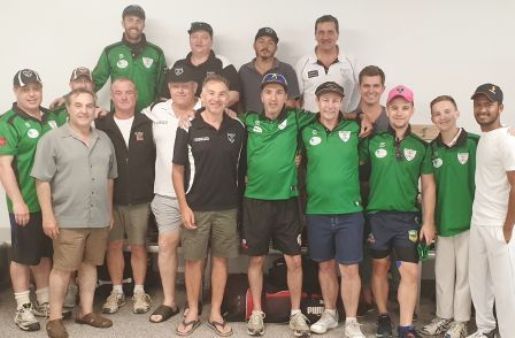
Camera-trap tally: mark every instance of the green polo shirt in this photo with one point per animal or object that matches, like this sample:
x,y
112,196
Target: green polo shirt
x,y
332,168
454,169
396,169
60,114
19,135
271,149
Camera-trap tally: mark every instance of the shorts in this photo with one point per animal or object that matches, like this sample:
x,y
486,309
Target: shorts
x,y
277,221
167,213
75,246
29,243
215,229
338,237
397,231
131,220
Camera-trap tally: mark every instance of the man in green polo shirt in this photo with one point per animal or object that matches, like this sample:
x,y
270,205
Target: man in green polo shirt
x,y
398,160
334,212
454,165
134,58
20,129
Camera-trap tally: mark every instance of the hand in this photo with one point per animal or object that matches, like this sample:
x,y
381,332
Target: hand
x,y
298,159
100,112
111,223
231,113
366,126
21,213
507,231
185,121
50,227
427,233
56,103
188,218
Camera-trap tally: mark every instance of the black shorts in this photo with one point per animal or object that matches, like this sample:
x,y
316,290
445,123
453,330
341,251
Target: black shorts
x,y
271,220
29,243
397,231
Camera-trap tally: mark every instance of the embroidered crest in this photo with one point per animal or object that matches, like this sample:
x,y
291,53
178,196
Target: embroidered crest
x,y
381,153
147,61
122,63
315,140
413,235
437,162
409,154
231,137
463,157
257,129
178,71
139,135
283,125
344,135
33,133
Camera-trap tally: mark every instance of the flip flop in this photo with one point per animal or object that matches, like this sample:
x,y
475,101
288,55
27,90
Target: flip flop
x,y
213,326
194,325
166,312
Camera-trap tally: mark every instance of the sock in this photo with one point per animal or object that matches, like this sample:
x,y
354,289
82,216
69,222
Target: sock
x,y
350,320
405,328
118,288
294,312
138,288
42,295
332,312
21,298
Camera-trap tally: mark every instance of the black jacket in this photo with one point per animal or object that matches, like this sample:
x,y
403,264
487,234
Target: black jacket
x,y
136,165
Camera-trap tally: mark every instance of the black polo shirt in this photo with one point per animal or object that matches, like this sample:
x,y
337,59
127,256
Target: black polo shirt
x,y
212,159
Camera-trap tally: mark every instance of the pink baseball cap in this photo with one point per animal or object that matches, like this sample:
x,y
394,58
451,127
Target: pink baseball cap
x,y
400,91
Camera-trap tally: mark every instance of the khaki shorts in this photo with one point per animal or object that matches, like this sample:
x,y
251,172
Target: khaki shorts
x,y
131,220
216,229
75,246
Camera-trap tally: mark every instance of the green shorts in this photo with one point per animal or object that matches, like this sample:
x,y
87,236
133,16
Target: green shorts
x,y
216,229
131,220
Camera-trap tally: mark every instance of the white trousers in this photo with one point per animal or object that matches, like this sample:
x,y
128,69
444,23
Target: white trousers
x,y
492,277
452,277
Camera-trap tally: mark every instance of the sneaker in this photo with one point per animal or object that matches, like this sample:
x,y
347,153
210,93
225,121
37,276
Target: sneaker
x,y
481,334
70,300
43,310
255,325
384,326
457,330
408,332
437,326
113,303
353,330
327,321
142,302
25,318
299,325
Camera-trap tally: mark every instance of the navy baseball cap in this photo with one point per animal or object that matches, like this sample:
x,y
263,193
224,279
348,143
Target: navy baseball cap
x,y
491,91
274,78
267,31
200,26
135,10
26,76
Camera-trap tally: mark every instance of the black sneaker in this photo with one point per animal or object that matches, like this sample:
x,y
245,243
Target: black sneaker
x,y
408,332
384,326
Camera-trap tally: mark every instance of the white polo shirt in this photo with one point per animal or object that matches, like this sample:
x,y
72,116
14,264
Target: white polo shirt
x,y
164,127
312,73
495,156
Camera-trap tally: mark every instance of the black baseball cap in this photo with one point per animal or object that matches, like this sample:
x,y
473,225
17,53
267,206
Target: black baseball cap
x,y
329,87
81,72
180,74
267,31
135,10
26,76
200,26
274,78
491,91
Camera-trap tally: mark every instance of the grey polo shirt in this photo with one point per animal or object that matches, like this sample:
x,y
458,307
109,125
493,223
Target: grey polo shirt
x,y
381,124
78,176
250,80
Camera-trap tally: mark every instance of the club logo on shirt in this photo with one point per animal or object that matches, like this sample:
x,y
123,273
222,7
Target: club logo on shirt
x,y
33,133
139,136
231,137
52,124
283,125
437,162
463,157
257,129
201,139
315,140
147,62
381,153
312,73
122,63
178,71
409,154
344,135
413,235
120,56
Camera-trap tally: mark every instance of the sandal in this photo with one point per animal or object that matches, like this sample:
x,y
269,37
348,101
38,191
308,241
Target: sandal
x,y
94,320
166,312
194,325
213,326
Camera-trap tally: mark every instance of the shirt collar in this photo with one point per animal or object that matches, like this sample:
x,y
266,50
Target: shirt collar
x,y
392,132
25,115
460,139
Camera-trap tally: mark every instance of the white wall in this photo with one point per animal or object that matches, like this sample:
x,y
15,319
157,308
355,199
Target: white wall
x,y
436,47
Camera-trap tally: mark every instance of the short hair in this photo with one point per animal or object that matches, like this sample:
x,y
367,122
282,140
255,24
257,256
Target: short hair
x,y
443,98
327,18
123,79
77,92
213,77
372,70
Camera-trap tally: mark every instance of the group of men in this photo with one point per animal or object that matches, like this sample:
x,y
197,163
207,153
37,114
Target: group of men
x,y
77,193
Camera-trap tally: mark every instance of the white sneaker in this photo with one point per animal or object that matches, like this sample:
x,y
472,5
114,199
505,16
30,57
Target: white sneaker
x,y
255,325
457,330
142,302
25,319
326,322
113,303
481,334
437,326
353,330
299,325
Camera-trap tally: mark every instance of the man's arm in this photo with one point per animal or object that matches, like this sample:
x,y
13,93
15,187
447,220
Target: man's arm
x,y
178,184
50,226
101,72
110,194
234,97
9,181
510,214
428,230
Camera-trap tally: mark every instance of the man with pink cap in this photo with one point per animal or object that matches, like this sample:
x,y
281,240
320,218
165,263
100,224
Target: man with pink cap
x,y
398,158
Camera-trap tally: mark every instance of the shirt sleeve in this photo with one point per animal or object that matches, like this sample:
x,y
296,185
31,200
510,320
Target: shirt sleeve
x,y
354,96
180,151
8,139
364,152
293,82
508,150
44,167
113,166
299,68
102,71
305,117
161,75
427,165
231,74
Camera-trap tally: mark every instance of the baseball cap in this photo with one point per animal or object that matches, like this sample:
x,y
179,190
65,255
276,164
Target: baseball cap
x,y
26,76
200,26
81,72
135,10
329,87
401,91
274,78
491,91
180,74
267,31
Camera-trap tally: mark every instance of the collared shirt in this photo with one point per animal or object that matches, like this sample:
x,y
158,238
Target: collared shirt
x,y
312,73
78,174
381,123
251,79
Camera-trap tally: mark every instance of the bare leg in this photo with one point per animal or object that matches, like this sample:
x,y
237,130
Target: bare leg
x,y
380,269
59,280
255,275
218,281
328,283
294,279
408,292
350,288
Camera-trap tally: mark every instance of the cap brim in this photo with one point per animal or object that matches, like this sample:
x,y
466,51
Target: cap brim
x,y
482,93
263,85
325,91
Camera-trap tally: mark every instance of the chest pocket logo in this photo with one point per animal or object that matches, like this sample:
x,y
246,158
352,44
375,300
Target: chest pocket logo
x,y
463,157
409,154
147,62
257,129
283,125
312,73
437,162
231,137
140,136
33,133
315,140
122,63
344,135
381,153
